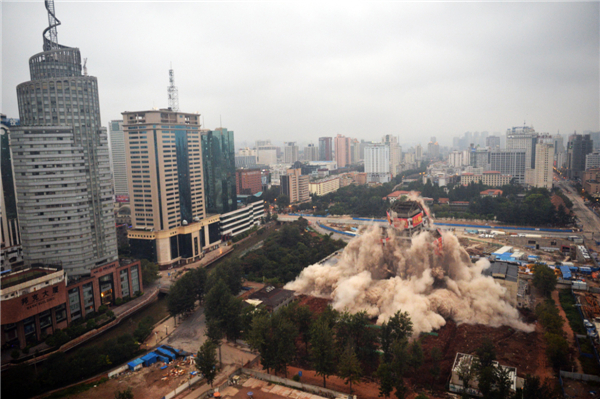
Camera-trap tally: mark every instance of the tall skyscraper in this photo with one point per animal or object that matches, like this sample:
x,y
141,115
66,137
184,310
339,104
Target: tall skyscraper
x,y
165,177
290,152
342,151
119,160
295,185
395,152
218,155
266,155
311,153
509,162
523,138
578,148
419,152
377,163
11,250
544,164
62,165
325,149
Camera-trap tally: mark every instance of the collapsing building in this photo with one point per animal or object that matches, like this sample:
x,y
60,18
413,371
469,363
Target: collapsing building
x,y
408,216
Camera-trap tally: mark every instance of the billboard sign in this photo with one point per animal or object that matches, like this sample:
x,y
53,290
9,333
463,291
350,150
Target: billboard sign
x,y
122,198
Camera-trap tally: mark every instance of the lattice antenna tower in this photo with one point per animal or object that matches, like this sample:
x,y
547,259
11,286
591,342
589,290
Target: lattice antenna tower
x,y
51,41
173,93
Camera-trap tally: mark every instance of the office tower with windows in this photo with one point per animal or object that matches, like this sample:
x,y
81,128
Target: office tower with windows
x,y
119,161
61,163
311,153
342,151
523,138
325,149
377,163
290,153
493,142
295,185
578,148
11,252
218,155
544,166
509,162
166,182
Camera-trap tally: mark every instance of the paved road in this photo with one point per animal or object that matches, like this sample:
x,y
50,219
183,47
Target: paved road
x,y
589,221
349,220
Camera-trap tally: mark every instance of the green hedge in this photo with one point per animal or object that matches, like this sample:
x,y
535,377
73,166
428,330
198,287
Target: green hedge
x,y
567,301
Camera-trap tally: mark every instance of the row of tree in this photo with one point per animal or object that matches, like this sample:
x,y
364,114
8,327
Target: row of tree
x,y
285,253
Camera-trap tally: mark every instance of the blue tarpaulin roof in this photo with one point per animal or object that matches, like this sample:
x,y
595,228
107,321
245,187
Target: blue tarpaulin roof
x,y
566,272
135,363
162,358
163,351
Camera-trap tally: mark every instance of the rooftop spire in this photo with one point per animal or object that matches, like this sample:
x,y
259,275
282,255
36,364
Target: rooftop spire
x,y
173,92
51,39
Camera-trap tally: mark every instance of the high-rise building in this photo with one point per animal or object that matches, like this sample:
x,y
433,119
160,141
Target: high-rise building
x,y
342,151
62,164
523,138
290,152
395,153
325,149
419,152
493,142
544,166
560,154
218,156
295,185
166,182
266,155
119,161
480,158
311,153
509,162
248,181
262,143
433,149
11,252
578,148
592,160
355,151
377,163
455,159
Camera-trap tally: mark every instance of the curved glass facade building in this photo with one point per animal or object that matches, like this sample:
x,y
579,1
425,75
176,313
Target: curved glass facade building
x,y
62,166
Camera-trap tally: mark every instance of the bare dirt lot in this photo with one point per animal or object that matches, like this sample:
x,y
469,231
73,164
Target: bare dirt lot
x,y
145,383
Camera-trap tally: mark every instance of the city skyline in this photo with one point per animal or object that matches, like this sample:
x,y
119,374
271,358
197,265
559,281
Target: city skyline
x,y
414,74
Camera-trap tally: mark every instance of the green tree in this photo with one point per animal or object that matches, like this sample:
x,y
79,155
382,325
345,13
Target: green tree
x,y
149,272
436,357
282,201
285,334
260,339
557,349
486,352
215,335
322,348
206,361
386,379
397,328
544,279
125,394
217,300
349,368
416,356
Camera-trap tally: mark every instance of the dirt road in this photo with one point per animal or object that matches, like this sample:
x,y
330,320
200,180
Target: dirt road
x,y
567,329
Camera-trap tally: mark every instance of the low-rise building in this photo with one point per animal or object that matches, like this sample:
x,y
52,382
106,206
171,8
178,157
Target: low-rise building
x,y
507,275
464,364
323,187
38,300
491,193
272,298
242,219
489,178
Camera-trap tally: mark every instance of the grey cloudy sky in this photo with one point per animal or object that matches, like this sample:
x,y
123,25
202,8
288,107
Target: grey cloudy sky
x,y
298,71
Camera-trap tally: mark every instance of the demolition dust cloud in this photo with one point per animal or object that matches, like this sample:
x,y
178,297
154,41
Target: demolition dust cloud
x,y
410,276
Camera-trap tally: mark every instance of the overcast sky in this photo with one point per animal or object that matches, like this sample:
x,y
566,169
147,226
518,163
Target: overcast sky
x,y
298,71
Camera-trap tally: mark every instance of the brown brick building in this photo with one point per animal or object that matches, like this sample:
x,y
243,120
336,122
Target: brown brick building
x,y
37,301
248,181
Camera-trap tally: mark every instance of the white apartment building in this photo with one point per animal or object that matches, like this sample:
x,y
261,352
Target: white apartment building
x,y
324,186
592,161
267,155
242,219
290,152
544,163
377,163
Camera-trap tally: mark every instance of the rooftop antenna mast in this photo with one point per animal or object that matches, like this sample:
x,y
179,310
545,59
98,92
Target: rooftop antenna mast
x,y
172,90
85,67
51,41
